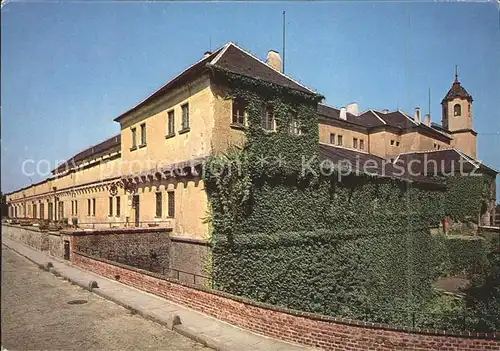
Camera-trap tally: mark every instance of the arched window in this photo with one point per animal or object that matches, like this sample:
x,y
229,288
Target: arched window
x,y
457,110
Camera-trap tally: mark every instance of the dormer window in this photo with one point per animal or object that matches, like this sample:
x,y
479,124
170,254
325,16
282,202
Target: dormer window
x,y
457,110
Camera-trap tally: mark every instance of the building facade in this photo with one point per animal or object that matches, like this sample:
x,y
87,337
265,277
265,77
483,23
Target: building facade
x,y
150,173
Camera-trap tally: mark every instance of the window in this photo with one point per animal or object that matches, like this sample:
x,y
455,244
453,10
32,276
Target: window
x,y
158,204
294,127
76,207
171,123
72,208
143,134
239,112
457,110
93,207
268,119
88,207
397,143
392,142
134,139
355,143
439,146
469,108
42,211
117,206
332,138
185,116
361,144
171,204
110,206
339,140
35,214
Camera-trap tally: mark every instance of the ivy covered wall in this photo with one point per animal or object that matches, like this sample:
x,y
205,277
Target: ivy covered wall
x,y
354,246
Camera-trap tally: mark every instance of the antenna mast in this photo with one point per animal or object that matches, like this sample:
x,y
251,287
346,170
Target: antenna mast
x,y
284,33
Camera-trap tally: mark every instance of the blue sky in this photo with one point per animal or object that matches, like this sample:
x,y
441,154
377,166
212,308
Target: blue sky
x,y
68,69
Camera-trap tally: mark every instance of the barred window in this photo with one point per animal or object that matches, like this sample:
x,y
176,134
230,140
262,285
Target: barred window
x,y
158,204
110,206
171,204
117,206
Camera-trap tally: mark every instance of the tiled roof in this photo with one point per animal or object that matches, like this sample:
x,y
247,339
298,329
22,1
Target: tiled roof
x,y
334,113
230,58
457,91
446,162
397,119
193,71
369,119
365,163
108,146
238,61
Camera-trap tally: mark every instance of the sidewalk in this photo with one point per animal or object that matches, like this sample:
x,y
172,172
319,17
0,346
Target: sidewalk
x,y
197,326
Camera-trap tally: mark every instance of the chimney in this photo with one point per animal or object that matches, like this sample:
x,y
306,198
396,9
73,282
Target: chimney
x,y
427,120
416,116
353,109
385,111
274,60
343,113
206,54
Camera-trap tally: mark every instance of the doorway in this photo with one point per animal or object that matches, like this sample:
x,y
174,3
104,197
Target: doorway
x,y
66,249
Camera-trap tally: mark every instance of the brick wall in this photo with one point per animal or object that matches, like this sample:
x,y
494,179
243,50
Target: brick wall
x,y
327,333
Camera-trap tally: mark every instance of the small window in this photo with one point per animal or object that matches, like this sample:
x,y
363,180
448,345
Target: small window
x,y
339,140
397,143
392,142
72,207
117,206
355,143
171,123
268,119
332,138
361,144
435,146
143,134
457,110
110,206
88,207
93,207
439,146
294,126
158,204
185,116
171,204
76,207
239,112
134,138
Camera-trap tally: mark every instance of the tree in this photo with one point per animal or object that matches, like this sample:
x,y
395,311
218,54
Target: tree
x,y
483,295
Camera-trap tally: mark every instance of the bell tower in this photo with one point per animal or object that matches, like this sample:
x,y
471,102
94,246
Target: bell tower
x,y
457,117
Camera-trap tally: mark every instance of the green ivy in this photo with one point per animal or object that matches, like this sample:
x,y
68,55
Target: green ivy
x,y
355,246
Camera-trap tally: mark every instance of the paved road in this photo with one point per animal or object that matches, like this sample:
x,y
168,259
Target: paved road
x,y
36,316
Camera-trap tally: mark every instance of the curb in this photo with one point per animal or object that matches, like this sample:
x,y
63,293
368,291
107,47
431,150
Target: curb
x,y
173,322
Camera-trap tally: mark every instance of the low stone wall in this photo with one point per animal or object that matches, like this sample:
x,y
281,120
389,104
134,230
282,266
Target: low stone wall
x,y
310,329
146,248
28,235
188,260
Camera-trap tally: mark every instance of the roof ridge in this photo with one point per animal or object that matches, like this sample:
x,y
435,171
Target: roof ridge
x,y
274,69
376,115
347,148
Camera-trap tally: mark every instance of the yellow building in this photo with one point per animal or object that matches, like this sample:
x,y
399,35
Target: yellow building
x,y
149,174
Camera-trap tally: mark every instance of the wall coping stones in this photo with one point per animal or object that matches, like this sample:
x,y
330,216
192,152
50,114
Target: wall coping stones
x,y
109,231
307,315
187,240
